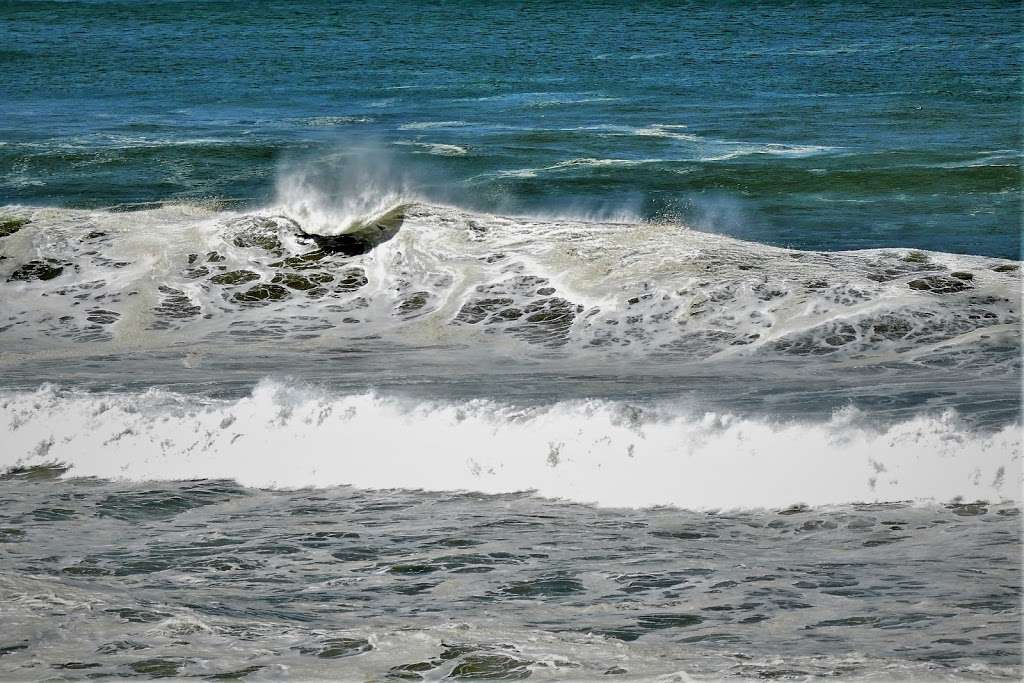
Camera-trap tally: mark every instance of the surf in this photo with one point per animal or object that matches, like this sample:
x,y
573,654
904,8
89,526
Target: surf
x,y
611,453
439,275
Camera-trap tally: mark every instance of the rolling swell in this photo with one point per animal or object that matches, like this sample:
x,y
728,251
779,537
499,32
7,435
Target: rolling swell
x,y
854,178
908,196
133,169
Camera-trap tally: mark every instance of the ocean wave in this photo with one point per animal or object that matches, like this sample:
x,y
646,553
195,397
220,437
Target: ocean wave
x,y
108,141
436,148
580,451
542,99
517,173
344,192
773,149
598,163
429,125
564,101
737,150
330,121
723,150
659,131
682,145
381,264
572,164
1002,157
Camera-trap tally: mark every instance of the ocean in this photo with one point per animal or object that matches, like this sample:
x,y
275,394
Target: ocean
x,y
494,341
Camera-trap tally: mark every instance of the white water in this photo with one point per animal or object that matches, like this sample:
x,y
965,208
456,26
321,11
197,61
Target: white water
x,y
451,276
594,451
329,198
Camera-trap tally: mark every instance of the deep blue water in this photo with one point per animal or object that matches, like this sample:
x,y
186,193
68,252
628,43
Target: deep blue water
x,y
812,125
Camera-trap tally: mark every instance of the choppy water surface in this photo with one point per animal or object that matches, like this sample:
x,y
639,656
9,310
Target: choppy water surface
x,y
494,341
209,579
815,125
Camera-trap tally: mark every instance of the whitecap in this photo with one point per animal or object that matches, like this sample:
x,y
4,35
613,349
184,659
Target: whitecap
x,y
670,455
436,148
597,163
330,121
427,125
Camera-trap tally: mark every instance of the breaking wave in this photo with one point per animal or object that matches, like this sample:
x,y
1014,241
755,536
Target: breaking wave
x,y
321,269
605,452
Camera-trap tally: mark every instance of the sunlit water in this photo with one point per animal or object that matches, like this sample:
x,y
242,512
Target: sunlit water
x,y
495,342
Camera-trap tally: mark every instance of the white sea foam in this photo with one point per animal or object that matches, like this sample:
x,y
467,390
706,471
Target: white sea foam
x,y
517,173
542,99
657,131
330,121
700,148
436,148
603,452
584,162
427,125
145,279
739,149
570,165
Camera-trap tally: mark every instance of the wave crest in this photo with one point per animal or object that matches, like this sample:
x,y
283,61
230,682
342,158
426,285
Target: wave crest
x,y
343,193
438,276
285,436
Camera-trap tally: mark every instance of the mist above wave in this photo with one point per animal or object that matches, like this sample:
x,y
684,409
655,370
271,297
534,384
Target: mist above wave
x,y
344,192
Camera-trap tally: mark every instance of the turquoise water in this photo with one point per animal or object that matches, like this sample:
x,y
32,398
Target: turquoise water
x,y
816,125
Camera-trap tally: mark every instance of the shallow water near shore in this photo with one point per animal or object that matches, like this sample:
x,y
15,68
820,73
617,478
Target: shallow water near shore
x,y
210,579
